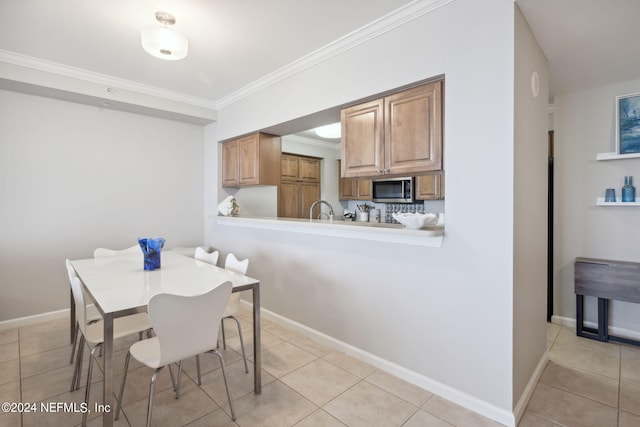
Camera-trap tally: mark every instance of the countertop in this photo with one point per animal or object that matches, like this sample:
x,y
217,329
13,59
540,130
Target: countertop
x,y
381,232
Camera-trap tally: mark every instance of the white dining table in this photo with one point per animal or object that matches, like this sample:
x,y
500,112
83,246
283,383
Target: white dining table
x,y
120,286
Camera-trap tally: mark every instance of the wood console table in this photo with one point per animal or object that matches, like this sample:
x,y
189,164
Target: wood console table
x,y
604,279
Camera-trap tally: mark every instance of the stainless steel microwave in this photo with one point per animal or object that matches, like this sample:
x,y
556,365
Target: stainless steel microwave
x,y
393,190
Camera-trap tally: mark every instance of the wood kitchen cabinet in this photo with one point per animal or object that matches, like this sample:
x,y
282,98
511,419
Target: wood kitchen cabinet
x,y
251,160
400,134
299,185
354,188
429,187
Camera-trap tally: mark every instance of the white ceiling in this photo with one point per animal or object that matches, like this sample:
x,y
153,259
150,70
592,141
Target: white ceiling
x,y
231,42
588,43
235,42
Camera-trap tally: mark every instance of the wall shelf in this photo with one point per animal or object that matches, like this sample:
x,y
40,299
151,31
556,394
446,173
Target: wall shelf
x,y
616,156
600,202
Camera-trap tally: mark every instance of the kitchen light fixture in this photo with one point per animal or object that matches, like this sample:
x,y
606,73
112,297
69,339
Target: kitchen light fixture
x,y
162,41
331,131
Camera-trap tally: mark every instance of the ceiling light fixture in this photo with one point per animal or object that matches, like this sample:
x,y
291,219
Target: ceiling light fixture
x,y
331,131
164,42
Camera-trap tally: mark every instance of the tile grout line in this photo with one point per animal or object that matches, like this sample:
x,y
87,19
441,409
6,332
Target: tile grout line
x,y
360,380
20,372
577,368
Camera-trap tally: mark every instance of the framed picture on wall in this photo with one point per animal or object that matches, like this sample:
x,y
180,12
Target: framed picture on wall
x,y
628,124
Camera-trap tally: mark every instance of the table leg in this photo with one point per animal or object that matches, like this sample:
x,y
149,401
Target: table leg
x,y
107,415
257,345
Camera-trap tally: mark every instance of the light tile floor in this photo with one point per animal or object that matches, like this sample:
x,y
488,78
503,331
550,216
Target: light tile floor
x,y
586,383
306,384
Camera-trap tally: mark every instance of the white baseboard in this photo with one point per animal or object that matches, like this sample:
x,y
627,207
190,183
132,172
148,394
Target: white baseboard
x,y
564,321
36,318
613,330
465,400
531,385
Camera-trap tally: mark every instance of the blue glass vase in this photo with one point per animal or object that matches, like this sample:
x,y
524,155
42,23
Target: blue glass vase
x,y
628,191
151,249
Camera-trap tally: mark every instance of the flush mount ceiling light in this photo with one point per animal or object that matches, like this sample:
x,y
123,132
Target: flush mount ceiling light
x,y
162,41
331,131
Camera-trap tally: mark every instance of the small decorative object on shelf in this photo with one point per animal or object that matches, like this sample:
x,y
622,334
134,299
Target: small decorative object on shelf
x,y
610,195
229,207
628,191
151,249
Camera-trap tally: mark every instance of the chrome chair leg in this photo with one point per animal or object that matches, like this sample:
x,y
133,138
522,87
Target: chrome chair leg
x,y
224,340
75,342
151,390
176,385
173,380
198,369
226,385
81,346
244,356
87,391
124,379
77,370
179,380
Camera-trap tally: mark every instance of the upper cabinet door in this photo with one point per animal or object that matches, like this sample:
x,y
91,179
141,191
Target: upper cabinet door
x,y
400,134
230,176
413,130
251,160
249,155
429,187
362,139
289,168
309,169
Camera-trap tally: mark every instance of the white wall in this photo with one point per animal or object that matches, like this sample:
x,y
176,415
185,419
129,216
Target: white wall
x,y
584,126
444,314
530,198
75,177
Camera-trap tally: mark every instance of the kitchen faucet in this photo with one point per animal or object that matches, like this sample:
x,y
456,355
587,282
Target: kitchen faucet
x,y
320,215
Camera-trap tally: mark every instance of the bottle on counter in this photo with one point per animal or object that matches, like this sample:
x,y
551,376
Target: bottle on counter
x,y
628,190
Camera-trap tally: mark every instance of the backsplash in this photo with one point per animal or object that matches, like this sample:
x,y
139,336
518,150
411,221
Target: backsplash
x,y
387,209
403,208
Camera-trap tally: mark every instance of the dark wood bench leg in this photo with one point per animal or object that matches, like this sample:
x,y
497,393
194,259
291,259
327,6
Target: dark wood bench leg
x,y
599,334
580,315
603,319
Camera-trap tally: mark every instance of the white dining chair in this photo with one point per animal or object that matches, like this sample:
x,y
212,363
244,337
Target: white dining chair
x,y
201,254
104,252
92,314
183,329
93,335
209,257
232,263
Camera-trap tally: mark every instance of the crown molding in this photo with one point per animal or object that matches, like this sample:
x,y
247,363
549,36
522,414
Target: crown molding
x,y
100,79
384,24
372,30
